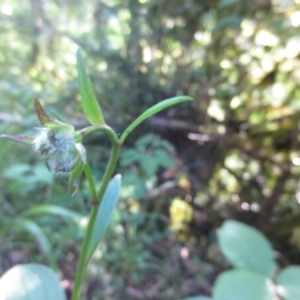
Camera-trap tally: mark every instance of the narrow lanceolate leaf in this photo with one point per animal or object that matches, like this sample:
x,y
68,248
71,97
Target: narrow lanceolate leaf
x,y
35,230
77,170
43,117
55,210
30,281
106,209
74,177
153,110
89,102
25,139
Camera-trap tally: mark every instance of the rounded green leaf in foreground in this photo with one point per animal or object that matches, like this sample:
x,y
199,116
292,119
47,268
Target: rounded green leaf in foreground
x,y
289,281
243,285
30,282
245,247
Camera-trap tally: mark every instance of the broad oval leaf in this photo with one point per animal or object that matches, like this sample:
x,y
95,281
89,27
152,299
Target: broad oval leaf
x,y
89,102
30,282
153,110
243,285
289,281
246,247
106,209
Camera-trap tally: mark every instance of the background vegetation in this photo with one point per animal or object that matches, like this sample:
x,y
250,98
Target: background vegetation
x,y
231,154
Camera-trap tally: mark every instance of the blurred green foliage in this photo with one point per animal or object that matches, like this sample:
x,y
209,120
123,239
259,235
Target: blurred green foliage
x,y
235,149
141,163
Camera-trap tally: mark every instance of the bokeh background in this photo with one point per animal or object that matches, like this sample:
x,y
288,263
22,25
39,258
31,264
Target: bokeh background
x,y
233,153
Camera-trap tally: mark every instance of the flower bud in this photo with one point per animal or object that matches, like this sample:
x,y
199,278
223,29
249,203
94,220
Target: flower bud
x,y
57,146
56,143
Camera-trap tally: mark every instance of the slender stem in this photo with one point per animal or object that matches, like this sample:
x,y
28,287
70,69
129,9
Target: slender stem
x,y
107,176
112,161
151,111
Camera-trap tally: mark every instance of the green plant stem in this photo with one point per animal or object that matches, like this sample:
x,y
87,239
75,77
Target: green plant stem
x,y
151,111
97,201
89,177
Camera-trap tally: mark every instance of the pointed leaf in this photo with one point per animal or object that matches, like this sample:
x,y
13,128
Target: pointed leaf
x,y
77,170
164,158
53,210
35,230
30,281
289,281
106,209
25,139
153,110
149,164
246,247
81,151
89,102
243,285
74,177
43,117
45,120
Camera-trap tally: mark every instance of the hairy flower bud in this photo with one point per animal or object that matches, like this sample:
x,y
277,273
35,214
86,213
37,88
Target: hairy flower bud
x,y
56,143
57,147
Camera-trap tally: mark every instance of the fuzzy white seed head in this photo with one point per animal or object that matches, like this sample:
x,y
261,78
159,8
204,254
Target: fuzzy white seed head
x,y
57,147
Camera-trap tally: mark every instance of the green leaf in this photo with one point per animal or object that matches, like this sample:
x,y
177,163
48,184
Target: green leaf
x,y
226,3
89,102
149,164
243,285
246,247
30,281
42,174
106,209
135,183
25,139
74,177
77,170
289,281
52,210
17,171
146,140
153,110
43,117
36,231
128,157
164,158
